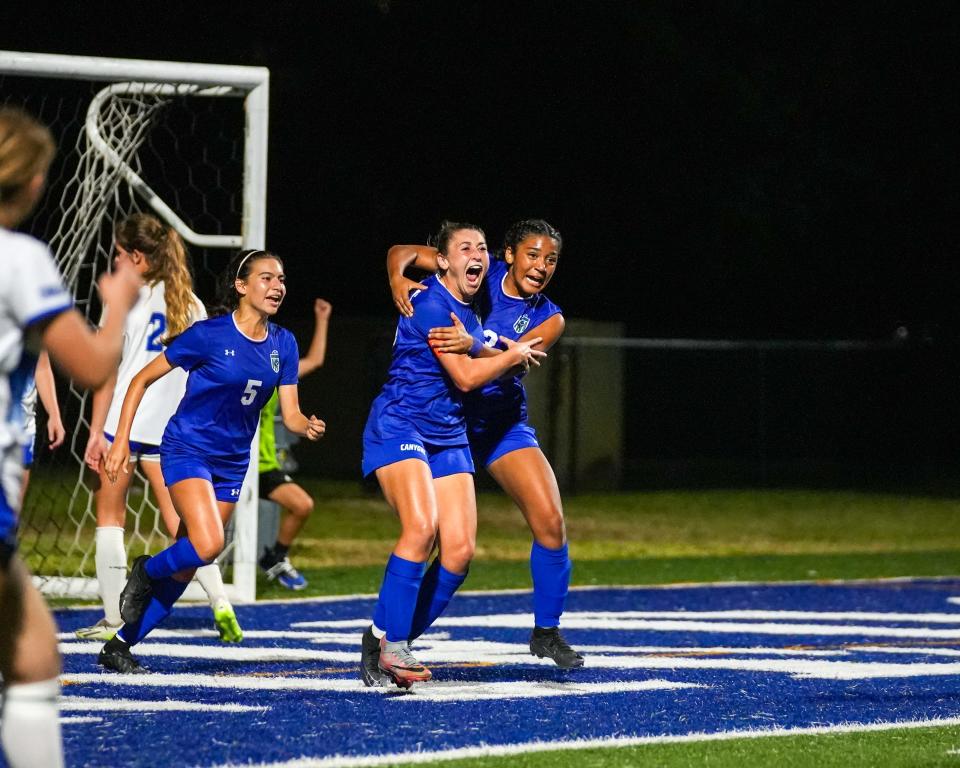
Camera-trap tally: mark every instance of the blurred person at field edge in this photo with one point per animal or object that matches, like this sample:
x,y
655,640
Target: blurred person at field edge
x,y
36,312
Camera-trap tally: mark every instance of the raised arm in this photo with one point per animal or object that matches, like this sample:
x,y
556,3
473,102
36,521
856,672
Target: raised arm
x,y
119,453
399,258
311,428
317,352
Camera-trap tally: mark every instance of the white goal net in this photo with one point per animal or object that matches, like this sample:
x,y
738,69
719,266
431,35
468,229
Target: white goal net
x,y
186,142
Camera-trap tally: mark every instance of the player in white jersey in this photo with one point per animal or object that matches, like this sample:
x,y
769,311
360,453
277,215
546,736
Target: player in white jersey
x,y
167,307
36,311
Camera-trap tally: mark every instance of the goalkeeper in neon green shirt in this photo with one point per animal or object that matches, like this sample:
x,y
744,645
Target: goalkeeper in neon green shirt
x,y
275,484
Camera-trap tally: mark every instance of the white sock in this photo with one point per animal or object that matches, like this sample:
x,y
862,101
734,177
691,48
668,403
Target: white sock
x,y
30,729
377,632
211,580
111,562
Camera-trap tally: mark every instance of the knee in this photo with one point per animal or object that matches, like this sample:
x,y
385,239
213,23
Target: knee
x,y
419,533
457,556
208,546
551,532
302,508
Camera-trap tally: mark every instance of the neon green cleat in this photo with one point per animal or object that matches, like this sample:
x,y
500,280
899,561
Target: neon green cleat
x,y
226,623
103,630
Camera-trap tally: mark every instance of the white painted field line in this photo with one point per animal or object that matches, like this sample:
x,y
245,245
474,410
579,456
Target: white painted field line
x,y
221,653
344,638
507,750
442,691
89,704
235,682
751,615
73,720
722,627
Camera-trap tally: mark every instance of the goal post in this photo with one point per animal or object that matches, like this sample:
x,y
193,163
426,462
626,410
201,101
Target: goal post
x,y
136,135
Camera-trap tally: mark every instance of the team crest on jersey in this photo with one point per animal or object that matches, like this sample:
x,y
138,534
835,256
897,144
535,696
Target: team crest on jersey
x,y
523,322
275,361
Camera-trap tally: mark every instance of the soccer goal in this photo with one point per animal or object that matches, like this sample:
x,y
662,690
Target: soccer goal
x,y
187,142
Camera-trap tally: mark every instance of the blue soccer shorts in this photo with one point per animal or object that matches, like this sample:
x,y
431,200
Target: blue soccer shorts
x,y
489,443
224,474
443,460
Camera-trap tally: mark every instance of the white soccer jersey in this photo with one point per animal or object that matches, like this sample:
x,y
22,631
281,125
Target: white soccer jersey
x,y
30,291
146,326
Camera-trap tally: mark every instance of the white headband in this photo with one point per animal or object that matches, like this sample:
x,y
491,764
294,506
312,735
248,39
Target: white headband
x,y
244,260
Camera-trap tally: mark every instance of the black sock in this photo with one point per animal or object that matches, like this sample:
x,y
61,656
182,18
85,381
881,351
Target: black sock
x,y
280,551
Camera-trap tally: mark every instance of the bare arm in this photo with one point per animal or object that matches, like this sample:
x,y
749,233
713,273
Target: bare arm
x,y
293,419
399,258
119,453
469,373
317,352
86,356
455,339
47,391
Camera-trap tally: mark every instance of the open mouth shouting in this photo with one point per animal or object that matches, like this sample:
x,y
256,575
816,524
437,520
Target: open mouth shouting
x,y
274,299
474,274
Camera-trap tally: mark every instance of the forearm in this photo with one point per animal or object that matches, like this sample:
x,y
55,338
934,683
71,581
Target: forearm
x,y
47,388
296,423
471,373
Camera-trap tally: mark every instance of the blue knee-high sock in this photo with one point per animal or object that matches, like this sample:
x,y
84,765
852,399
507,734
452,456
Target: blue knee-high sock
x,y
179,556
165,593
438,587
550,569
398,597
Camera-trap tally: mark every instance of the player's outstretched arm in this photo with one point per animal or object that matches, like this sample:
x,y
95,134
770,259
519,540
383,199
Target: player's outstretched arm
x,y
311,427
317,352
399,258
468,373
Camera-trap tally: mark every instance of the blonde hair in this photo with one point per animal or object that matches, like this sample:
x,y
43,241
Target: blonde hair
x,y
167,260
26,149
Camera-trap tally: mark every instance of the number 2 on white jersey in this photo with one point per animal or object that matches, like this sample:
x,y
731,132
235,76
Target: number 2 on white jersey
x,y
250,391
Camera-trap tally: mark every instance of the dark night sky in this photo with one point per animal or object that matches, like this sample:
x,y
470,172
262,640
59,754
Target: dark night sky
x,y
733,169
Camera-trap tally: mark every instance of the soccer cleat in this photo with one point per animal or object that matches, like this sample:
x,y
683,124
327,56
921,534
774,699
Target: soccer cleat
x,y
116,655
226,622
282,571
102,630
136,592
397,663
549,643
370,659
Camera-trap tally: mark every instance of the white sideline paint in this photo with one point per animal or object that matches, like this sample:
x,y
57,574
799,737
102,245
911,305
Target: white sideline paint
x,y
749,615
553,746
79,720
431,691
442,691
471,652
86,704
342,638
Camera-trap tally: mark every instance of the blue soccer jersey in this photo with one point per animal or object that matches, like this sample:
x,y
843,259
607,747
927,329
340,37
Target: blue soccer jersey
x,y
419,398
230,378
504,400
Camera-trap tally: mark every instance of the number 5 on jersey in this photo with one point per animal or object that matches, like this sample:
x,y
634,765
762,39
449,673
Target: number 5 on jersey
x,y
250,391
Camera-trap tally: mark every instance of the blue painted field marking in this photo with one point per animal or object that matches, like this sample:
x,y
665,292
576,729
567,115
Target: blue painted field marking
x,y
660,663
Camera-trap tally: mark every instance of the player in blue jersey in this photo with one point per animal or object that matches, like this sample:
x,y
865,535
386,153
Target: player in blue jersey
x,y
512,305
36,311
234,361
415,441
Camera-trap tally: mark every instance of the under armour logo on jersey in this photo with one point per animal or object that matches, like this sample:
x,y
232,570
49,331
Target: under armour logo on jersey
x,y
275,361
521,325
231,352
234,491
